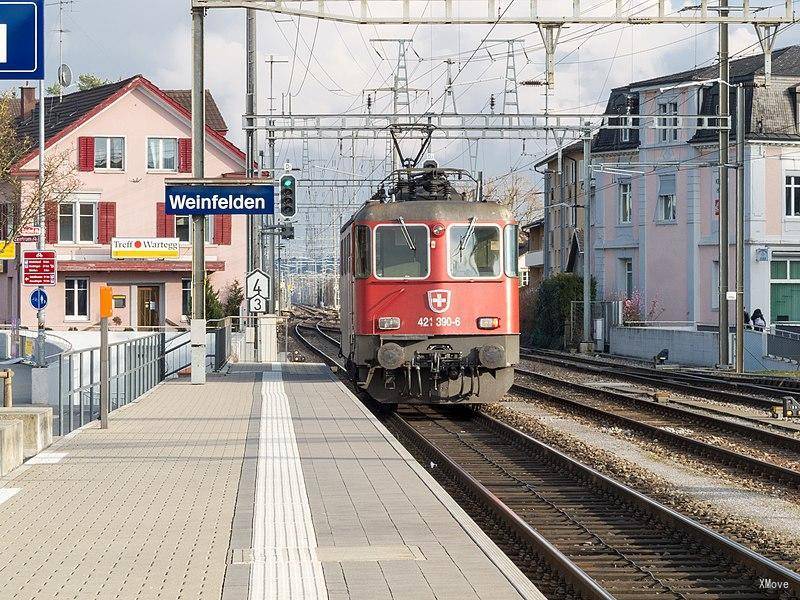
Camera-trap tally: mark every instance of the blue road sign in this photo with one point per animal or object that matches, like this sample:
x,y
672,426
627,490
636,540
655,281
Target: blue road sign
x,y
22,39
201,199
38,299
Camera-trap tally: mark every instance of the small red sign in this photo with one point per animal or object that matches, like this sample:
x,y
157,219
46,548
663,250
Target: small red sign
x,y
39,267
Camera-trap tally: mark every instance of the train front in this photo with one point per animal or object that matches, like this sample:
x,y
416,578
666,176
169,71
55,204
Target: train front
x,y
436,301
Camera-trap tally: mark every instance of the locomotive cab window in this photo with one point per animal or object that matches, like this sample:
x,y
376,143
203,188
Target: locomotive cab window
x,y
475,251
361,263
511,243
401,251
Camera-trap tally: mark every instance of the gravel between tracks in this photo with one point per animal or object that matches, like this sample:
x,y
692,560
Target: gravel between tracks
x,y
736,512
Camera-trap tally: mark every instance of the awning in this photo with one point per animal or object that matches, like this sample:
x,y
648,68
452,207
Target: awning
x,y
138,266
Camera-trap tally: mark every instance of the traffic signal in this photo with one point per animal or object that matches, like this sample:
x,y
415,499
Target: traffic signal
x,y
288,202
287,231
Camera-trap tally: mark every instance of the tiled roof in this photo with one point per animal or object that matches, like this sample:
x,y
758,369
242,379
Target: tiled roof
x,y
610,139
214,118
785,61
573,147
60,114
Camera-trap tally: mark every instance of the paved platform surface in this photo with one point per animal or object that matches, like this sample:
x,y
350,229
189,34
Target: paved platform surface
x,y
264,483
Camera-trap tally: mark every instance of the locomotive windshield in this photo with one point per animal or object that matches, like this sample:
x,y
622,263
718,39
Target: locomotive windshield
x,y
474,251
401,251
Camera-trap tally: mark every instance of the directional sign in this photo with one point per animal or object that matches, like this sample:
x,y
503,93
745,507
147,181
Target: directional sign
x,y
28,233
212,198
39,267
38,299
257,289
22,39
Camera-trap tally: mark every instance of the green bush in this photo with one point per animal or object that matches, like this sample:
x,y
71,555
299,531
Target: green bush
x,y
551,310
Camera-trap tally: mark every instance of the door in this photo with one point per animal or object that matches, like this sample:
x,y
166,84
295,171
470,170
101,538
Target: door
x,y
148,303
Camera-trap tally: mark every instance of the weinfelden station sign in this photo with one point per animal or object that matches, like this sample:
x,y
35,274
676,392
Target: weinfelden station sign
x,y
215,197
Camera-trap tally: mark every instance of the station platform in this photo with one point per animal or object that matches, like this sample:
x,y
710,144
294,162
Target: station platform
x,y
270,481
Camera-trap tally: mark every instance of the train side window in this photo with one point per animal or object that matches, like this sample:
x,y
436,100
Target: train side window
x,y
475,251
402,251
362,254
511,245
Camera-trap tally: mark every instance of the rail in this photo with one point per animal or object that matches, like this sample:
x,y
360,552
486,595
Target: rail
x,y
135,367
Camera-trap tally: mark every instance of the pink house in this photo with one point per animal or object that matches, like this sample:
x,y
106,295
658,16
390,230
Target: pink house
x,y
123,139
655,219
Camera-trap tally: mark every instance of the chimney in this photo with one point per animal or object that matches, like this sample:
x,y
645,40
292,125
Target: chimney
x,y
27,101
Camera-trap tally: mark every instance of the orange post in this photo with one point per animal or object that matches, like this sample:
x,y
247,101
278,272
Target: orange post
x,y
106,302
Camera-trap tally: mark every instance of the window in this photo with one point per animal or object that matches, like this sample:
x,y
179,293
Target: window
x,y
793,195
186,297
784,290
625,203
362,258
76,299
109,153
77,222
183,229
162,154
625,135
524,277
401,251
669,126
627,276
666,209
474,251
715,285
511,245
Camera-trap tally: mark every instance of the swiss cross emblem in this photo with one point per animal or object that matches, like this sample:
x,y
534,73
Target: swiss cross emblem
x,y
439,300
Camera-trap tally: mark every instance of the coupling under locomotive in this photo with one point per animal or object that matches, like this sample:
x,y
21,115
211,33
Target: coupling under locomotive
x,y
429,292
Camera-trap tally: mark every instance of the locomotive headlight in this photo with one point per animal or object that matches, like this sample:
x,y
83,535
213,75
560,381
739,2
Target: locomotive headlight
x,y
488,323
388,323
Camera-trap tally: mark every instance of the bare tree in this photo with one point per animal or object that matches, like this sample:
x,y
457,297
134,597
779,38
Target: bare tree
x,y
517,192
20,204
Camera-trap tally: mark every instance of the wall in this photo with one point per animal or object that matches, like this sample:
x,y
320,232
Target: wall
x,y
695,348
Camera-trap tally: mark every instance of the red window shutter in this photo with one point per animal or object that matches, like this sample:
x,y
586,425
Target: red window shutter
x,y
106,222
185,155
165,224
86,154
51,222
222,230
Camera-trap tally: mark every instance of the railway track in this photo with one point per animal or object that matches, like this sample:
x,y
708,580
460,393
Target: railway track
x,y
604,539
576,532
750,450
705,386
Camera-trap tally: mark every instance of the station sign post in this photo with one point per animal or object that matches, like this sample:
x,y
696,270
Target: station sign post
x,y
198,197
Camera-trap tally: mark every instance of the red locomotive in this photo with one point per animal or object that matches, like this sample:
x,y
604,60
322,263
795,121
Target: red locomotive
x,y
429,292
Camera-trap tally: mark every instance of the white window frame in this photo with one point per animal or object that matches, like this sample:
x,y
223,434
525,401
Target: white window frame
x,y
627,275
209,229
714,285
76,318
660,208
108,139
375,252
161,153
795,187
502,257
668,124
75,204
184,289
622,196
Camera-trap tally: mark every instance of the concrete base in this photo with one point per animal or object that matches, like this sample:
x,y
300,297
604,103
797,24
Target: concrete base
x,y
586,348
11,442
37,426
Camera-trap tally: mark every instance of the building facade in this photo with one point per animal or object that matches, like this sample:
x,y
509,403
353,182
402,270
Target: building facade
x,y
563,217
655,218
120,142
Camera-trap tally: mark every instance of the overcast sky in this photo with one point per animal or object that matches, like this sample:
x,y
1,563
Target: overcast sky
x,y
116,39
